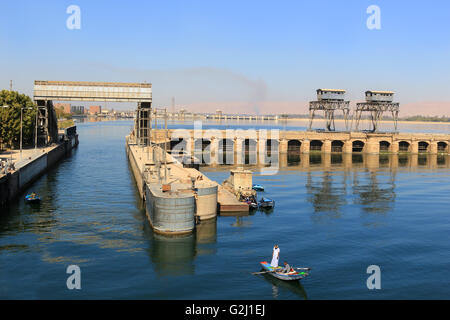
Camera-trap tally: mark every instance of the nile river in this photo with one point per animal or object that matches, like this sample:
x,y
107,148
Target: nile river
x,y
335,214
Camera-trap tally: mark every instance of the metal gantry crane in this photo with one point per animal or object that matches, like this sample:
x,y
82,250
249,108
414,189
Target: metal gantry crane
x,y
329,100
377,102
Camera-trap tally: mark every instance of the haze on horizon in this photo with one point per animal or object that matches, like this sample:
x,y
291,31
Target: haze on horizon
x,y
241,57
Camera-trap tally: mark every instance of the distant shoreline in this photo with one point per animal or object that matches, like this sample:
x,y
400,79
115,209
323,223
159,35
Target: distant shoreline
x,y
382,121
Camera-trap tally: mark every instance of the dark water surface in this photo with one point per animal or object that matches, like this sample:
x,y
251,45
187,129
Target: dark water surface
x,y
334,217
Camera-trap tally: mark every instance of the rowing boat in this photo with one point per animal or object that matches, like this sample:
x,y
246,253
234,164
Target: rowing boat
x,y
32,198
258,187
266,203
294,275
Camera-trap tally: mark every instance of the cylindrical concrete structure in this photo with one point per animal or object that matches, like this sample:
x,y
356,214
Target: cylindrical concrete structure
x,y
170,215
206,202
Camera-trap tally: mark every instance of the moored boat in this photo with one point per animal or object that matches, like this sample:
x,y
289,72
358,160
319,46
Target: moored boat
x,y
294,275
258,187
251,201
266,203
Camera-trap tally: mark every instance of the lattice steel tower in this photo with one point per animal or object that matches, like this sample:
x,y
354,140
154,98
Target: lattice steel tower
x,y
376,103
329,100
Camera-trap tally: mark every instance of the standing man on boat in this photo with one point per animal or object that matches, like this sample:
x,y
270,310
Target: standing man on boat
x,y
275,256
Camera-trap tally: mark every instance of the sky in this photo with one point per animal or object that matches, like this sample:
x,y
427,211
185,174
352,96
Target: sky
x,y
238,56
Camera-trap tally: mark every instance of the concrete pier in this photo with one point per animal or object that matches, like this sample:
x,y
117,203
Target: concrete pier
x,y
154,170
228,203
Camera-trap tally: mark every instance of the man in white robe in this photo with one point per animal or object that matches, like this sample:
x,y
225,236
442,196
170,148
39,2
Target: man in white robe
x,y
275,256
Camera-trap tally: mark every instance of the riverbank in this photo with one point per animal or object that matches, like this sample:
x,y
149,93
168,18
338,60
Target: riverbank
x,y
32,165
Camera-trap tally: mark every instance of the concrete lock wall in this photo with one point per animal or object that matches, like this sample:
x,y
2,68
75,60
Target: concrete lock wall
x,y
12,184
136,172
56,154
32,170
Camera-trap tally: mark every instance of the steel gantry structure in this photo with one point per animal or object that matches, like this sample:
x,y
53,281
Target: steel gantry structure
x,y
377,102
329,100
47,91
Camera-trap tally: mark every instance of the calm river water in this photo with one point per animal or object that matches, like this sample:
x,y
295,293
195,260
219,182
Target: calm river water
x,y
335,215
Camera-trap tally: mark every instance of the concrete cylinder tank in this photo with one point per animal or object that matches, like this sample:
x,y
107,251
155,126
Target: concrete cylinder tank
x,y
171,215
206,201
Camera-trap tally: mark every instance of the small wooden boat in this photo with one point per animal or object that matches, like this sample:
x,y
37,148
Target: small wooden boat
x,y
250,200
266,203
252,204
294,275
32,198
258,187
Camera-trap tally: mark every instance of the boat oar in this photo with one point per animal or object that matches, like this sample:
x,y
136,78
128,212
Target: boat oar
x,y
307,269
263,272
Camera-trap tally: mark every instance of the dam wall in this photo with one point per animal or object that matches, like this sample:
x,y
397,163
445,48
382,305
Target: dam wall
x,y
280,141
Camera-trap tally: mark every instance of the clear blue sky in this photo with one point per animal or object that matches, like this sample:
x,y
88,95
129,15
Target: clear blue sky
x,y
200,51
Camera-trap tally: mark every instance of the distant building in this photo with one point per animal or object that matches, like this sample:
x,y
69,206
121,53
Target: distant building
x,y
65,106
77,109
95,110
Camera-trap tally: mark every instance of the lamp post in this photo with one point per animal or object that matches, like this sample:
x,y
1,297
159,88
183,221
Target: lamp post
x,y
35,129
21,126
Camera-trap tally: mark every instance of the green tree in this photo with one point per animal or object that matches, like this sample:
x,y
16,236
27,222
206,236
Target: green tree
x,y
10,118
60,114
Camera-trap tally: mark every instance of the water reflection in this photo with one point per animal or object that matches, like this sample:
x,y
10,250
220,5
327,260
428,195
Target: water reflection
x,y
371,178
241,222
19,217
328,194
372,197
206,235
279,285
174,256
325,196
345,161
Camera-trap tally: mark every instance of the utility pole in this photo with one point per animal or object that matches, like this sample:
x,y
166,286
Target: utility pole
x,y
10,85
21,120
36,128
